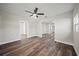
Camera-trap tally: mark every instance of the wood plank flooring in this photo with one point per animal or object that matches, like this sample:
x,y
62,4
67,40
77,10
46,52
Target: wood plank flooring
x,y
36,46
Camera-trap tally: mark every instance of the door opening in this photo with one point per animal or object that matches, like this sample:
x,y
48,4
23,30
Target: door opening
x,y
22,30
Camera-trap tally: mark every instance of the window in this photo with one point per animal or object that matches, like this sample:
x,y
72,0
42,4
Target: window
x,y
76,23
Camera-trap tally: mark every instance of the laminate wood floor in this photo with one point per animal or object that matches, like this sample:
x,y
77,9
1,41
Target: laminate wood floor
x,y
36,46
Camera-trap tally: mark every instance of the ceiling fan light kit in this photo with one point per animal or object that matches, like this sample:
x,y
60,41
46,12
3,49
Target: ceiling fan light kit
x,y
34,14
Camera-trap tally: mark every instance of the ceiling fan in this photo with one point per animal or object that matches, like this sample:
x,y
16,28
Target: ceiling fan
x,y
35,13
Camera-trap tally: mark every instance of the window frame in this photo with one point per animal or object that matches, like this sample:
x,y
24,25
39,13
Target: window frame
x,y
76,23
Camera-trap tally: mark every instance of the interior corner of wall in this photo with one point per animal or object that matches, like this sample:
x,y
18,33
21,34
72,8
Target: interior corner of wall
x,y
75,50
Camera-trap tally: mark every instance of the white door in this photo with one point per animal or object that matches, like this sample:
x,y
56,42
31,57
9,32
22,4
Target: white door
x,y
22,29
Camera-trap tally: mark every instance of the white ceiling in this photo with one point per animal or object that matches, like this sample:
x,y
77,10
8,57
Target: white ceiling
x,y
50,9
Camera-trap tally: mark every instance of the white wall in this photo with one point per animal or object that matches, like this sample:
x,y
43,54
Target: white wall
x,y
0,29
63,28
76,34
10,27
44,28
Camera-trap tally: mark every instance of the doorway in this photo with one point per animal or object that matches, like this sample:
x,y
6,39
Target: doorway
x,y
22,29
48,30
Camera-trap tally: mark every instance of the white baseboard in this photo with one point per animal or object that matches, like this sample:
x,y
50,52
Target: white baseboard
x,y
69,44
9,41
64,42
75,50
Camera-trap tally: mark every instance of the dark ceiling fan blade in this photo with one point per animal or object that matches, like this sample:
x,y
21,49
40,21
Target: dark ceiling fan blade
x,y
40,13
37,16
28,11
35,11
